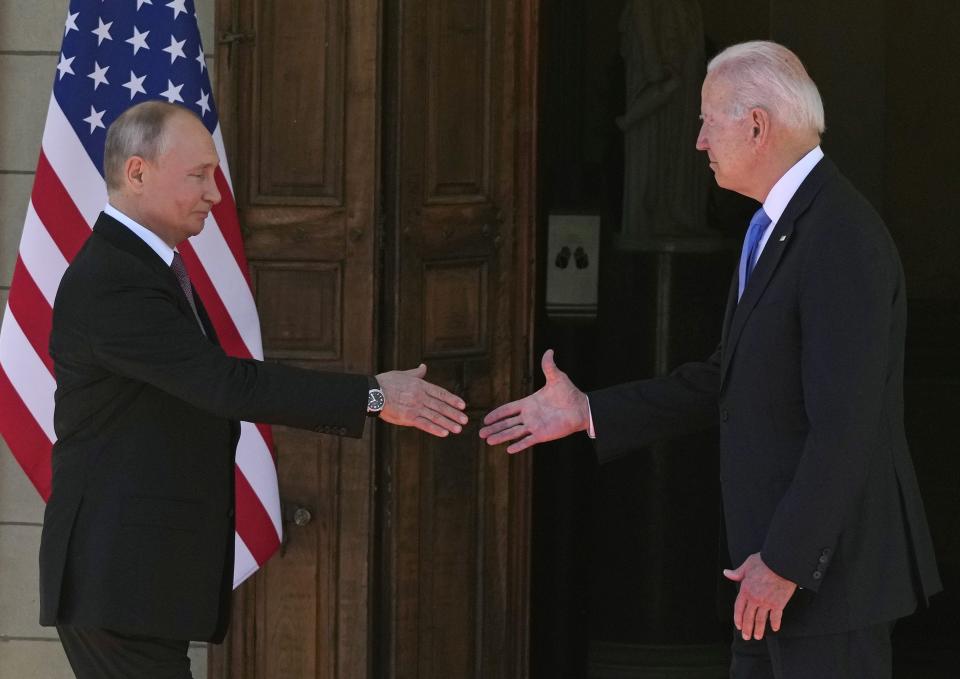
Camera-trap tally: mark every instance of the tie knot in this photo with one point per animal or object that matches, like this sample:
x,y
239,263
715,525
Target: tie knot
x,y
180,269
760,221
177,264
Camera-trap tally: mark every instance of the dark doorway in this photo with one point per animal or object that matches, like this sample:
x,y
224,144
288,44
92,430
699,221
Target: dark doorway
x,y
625,561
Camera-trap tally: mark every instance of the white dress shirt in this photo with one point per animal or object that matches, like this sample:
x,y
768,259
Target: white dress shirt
x,y
164,251
782,192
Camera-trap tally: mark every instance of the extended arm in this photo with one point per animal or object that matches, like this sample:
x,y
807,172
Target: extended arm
x,y
137,331
626,416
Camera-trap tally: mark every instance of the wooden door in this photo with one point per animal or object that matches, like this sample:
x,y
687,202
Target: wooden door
x,y
299,102
458,135
415,562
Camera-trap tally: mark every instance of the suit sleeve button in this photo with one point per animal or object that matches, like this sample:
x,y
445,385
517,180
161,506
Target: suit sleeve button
x,y
823,558
817,575
724,415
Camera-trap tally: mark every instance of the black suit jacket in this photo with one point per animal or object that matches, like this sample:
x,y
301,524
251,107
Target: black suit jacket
x,y
138,531
807,388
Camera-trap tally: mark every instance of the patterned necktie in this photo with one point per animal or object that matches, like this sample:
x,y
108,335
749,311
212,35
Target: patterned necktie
x,y
180,271
748,257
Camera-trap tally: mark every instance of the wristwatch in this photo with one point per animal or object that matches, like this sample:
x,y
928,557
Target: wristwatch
x,y
375,398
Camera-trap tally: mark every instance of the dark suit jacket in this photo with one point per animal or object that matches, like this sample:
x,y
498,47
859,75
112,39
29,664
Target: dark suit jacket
x,y
138,532
807,388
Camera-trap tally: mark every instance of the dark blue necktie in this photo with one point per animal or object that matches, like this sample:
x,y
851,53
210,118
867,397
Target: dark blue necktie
x,y
748,257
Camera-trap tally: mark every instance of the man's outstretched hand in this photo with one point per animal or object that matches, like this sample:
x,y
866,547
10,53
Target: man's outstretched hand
x,y
556,410
412,402
763,593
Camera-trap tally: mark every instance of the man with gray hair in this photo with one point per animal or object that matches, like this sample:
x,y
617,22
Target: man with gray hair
x,y
824,524
136,554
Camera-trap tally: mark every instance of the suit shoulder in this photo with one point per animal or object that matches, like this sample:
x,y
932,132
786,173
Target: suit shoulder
x,y
101,262
843,229
100,268
841,213
840,198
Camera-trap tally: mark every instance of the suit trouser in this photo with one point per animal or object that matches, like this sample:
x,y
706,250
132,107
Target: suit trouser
x,y
858,654
101,654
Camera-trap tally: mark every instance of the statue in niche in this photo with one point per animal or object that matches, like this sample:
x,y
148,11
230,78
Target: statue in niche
x,y
665,177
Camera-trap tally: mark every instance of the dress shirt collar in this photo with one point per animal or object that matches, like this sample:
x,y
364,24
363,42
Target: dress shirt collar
x,y
164,251
787,185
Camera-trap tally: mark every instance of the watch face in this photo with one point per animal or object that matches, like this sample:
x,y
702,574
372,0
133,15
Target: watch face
x,y
375,400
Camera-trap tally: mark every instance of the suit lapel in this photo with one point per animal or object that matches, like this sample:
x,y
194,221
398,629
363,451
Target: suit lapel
x,y
205,319
731,308
780,239
124,239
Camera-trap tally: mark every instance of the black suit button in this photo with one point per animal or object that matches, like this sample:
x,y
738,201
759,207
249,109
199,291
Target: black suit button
x,y
817,575
343,431
230,513
823,558
724,415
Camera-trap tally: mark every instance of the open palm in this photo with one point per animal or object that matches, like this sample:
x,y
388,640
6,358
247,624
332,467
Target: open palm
x,y
558,409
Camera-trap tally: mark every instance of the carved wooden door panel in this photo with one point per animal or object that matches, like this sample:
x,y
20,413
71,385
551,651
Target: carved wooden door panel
x,y
457,131
415,561
297,87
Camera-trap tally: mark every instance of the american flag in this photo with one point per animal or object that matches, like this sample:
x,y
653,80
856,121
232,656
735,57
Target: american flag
x,y
116,54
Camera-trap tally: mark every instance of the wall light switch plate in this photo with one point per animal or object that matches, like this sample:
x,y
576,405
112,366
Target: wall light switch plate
x,y
573,256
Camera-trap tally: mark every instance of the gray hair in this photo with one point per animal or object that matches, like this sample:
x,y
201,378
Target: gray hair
x,y
766,75
138,131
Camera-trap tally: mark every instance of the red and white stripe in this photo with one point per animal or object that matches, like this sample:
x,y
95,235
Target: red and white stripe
x,y
68,195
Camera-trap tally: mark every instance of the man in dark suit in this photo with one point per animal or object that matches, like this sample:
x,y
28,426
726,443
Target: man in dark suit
x,y
825,527
136,555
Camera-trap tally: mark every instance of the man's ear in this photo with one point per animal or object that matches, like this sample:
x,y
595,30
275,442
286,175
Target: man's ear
x,y
133,171
760,126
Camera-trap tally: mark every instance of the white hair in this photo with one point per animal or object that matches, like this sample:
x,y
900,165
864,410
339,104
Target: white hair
x,y
138,131
763,74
